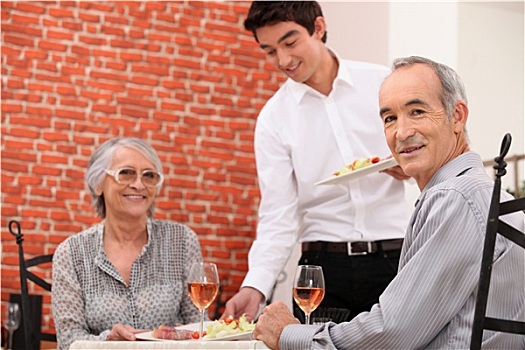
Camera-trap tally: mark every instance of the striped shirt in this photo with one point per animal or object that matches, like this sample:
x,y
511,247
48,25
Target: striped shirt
x,y
430,304
89,296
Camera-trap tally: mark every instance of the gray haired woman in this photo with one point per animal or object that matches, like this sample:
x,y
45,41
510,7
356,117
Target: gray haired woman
x,y
126,273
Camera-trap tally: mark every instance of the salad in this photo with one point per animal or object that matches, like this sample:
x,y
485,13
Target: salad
x,y
228,326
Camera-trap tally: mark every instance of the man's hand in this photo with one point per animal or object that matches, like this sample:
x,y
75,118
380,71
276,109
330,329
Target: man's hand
x,y
123,332
397,173
246,301
271,323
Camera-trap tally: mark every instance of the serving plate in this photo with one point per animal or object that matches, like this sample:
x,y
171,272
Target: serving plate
x,y
195,327
356,174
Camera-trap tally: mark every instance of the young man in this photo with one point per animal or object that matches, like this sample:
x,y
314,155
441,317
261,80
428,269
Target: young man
x,y
322,118
431,301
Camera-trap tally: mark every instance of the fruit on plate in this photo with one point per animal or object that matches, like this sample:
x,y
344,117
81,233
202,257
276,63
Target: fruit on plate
x,y
357,164
229,326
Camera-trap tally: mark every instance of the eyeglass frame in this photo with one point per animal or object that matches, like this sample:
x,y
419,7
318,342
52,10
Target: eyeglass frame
x,y
115,173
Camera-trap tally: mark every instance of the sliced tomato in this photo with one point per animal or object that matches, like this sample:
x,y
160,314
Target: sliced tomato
x,y
195,334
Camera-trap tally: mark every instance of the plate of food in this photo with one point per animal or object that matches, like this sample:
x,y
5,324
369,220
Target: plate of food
x,y
358,168
226,329
168,333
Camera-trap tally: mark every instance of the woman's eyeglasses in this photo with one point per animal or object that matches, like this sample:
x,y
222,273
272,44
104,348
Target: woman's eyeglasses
x,y
125,176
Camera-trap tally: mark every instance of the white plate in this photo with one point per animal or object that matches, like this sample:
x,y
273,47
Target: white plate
x,y
382,165
195,327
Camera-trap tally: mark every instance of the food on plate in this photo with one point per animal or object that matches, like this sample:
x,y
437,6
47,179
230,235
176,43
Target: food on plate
x,y
357,164
171,333
229,326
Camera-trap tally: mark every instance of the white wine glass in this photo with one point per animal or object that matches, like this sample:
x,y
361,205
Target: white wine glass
x,y
308,288
203,286
12,321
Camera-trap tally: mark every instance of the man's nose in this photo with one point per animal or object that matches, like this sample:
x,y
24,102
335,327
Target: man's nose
x,y
404,129
283,58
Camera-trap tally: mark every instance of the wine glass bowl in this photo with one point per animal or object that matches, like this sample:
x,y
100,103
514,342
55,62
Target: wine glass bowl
x,y
203,286
308,288
12,321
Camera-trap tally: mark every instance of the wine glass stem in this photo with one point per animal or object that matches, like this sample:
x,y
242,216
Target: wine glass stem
x,y
10,341
306,318
201,326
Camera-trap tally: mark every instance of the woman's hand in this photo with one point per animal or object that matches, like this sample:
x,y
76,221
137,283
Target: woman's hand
x,y
123,332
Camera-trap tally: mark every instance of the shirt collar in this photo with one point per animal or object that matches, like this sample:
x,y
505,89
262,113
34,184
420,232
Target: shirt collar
x,y
300,90
455,167
100,234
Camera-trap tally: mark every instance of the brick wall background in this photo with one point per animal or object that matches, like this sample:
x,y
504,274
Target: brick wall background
x,y
183,75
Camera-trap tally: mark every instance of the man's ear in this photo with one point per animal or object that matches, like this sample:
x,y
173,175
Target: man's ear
x,y
319,27
460,116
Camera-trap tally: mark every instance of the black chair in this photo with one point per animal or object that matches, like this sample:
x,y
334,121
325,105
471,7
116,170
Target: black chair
x,y
33,334
495,226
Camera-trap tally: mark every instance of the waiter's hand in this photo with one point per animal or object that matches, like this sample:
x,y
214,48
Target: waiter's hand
x,y
397,173
246,301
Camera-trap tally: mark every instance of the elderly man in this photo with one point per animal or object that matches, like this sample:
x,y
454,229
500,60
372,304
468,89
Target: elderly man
x,y
430,303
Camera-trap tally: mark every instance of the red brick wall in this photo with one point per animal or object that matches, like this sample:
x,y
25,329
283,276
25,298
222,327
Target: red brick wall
x,y
183,75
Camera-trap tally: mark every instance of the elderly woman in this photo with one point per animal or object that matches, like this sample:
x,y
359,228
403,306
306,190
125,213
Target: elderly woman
x,y
127,273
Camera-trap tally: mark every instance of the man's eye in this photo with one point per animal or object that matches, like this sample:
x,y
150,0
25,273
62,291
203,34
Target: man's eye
x,y
270,53
418,112
388,119
290,44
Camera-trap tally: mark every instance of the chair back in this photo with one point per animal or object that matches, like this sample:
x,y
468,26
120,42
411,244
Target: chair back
x,y
32,335
494,227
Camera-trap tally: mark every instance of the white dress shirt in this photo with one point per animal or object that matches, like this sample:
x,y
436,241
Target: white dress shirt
x,y
303,137
430,303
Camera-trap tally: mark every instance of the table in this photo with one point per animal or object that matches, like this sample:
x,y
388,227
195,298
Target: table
x,y
182,344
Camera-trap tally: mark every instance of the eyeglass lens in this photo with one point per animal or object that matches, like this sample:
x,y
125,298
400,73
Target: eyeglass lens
x,y
148,177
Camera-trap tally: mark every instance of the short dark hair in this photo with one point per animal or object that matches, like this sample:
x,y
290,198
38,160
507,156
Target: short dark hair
x,y
263,13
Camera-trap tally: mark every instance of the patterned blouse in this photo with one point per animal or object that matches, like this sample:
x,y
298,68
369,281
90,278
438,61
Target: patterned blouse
x,y
89,296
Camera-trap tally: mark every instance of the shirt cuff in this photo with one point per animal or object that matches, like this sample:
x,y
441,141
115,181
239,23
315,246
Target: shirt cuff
x,y
264,285
298,336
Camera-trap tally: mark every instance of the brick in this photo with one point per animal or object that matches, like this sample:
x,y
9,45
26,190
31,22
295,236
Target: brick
x,y
30,180
143,80
68,70
69,114
67,195
60,35
151,69
26,20
104,108
60,13
110,30
73,102
40,86
51,45
46,170
18,40
30,7
123,44
88,17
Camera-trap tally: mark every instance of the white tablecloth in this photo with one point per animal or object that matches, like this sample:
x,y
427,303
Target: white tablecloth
x,y
190,344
